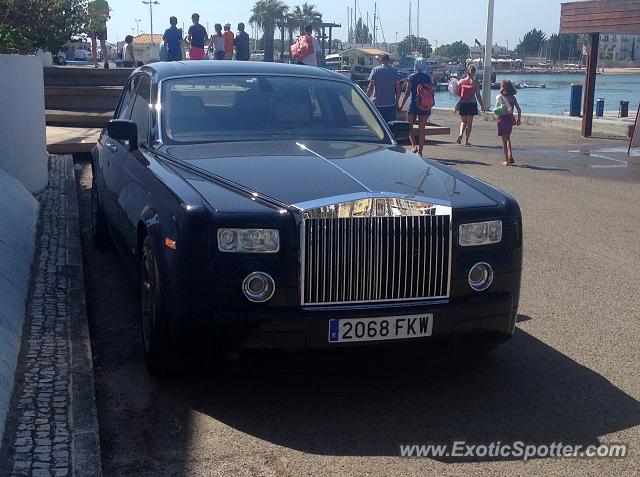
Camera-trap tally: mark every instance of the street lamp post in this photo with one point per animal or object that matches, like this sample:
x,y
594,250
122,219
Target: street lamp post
x,y
486,76
137,20
151,3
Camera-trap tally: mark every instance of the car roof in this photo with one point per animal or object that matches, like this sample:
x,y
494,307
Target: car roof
x,y
162,70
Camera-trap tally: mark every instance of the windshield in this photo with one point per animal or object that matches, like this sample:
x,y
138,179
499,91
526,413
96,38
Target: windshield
x,y
252,108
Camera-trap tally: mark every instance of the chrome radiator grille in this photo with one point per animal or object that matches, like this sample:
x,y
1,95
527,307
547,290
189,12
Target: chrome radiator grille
x,y
375,259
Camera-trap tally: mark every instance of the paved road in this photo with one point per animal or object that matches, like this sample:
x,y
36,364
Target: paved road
x,y
570,373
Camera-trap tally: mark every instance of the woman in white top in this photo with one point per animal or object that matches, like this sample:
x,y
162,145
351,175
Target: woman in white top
x,y
216,45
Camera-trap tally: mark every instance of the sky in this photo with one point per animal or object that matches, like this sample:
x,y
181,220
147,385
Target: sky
x,y
441,21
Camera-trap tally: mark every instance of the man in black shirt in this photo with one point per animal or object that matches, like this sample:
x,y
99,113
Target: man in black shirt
x,y
197,39
241,42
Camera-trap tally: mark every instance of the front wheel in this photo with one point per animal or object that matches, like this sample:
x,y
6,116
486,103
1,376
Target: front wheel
x,y
156,338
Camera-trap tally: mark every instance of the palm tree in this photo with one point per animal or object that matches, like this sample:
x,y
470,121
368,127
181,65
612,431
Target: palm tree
x,y
265,14
307,15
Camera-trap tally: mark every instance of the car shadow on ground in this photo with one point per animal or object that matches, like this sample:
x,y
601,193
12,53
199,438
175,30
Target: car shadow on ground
x,y
526,391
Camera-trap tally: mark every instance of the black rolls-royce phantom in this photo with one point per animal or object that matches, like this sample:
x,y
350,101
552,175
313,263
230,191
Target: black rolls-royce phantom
x,y
269,206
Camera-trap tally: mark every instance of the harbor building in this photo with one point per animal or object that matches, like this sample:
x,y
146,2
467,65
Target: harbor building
x,y
618,47
497,51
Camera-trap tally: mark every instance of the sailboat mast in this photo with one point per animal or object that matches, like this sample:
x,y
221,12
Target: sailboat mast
x,y
375,28
355,21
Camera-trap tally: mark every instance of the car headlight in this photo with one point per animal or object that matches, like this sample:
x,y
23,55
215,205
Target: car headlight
x,y
248,240
480,233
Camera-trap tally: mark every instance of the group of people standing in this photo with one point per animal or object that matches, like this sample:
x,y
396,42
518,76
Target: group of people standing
x,y
221,45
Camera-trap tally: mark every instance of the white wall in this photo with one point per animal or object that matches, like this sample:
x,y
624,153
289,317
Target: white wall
x,y
18,221
23,143
146,53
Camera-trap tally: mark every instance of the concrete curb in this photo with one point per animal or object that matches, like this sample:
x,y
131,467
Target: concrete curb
x,y
86,456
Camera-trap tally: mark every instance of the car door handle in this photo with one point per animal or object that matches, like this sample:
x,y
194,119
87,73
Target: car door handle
x,y
112,147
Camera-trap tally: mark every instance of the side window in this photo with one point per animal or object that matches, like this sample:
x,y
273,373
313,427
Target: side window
x,y
127,100
140,111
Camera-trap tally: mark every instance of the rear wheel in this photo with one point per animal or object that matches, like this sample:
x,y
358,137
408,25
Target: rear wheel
x,y
156,338
99,224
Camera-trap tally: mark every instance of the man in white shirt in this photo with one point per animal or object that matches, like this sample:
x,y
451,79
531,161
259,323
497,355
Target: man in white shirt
x,y
313,59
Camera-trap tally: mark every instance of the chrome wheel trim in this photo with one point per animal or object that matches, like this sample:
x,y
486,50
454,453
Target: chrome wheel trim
x,y
146,300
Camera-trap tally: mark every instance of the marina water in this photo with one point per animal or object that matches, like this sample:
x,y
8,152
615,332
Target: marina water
x,y
554,98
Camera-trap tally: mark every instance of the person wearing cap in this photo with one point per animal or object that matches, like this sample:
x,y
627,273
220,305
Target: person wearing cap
x,y
384,88
420,76
241,42
228,42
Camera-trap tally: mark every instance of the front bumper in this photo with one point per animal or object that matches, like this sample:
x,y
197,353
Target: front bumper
x,y
484,318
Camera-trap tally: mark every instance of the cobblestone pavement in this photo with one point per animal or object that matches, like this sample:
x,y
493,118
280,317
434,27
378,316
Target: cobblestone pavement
x,y
41,420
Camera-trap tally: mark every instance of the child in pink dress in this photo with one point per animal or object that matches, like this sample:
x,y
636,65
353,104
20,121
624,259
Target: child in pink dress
x,y
507,99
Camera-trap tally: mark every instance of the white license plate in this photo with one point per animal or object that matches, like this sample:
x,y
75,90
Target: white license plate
x,y
378,329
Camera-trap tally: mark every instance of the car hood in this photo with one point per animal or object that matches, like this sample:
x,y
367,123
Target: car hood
x,y
298,172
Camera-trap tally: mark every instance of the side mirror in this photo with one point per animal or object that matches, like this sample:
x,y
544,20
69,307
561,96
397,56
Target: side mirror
x,y
124,130
400,130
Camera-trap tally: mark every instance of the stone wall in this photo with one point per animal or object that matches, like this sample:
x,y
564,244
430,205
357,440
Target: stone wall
x,y
23,143
18,222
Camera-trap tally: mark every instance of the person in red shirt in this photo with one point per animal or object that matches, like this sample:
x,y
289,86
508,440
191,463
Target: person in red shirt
x,y
228,42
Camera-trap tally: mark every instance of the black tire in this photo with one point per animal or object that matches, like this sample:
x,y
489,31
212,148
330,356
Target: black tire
x,y
156,338
99,223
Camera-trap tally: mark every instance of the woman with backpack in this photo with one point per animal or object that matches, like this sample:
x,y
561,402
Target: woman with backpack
x,y
422,100
216,45
505,103
470,96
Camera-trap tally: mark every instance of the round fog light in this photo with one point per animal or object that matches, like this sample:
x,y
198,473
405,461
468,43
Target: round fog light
x,y
480,276
258,287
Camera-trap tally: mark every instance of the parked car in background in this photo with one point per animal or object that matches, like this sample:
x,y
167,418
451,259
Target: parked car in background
x,y
268,206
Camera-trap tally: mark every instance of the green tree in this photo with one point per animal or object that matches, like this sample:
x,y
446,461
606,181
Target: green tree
x,y
306,14
265,14
561,47
457,50
412,44
26,25
532,44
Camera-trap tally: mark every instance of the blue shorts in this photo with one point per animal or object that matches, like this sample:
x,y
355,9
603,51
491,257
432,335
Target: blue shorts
x,y
415,111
